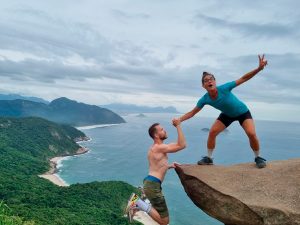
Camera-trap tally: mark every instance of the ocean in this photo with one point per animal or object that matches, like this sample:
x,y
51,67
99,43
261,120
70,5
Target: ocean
x,y
119,152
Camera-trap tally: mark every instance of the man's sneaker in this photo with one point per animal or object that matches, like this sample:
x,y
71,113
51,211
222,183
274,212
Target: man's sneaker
x,y
260,162
205,161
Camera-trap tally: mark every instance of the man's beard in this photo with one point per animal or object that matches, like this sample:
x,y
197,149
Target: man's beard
x,y
164,137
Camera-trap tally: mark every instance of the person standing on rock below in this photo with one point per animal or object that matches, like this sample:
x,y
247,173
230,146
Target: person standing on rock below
x,y
232,109
158,167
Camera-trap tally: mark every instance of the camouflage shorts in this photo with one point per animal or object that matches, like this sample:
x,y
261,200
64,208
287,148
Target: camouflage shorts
x,y
154,193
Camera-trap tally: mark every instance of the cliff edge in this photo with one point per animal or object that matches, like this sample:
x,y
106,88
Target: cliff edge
x,y
244,195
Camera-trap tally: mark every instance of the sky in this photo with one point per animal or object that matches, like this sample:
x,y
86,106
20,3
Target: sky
x,y
152,53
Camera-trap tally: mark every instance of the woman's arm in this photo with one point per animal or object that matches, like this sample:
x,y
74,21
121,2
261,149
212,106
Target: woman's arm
x,y
249,75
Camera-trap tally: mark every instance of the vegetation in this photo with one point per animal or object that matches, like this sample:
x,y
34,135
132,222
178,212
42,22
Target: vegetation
x,y
26,145
6,218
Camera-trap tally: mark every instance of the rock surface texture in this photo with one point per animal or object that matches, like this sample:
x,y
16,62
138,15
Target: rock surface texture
x,y
244,195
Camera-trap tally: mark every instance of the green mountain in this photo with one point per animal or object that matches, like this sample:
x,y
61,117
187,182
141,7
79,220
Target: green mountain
x,y
61,110
16,96
26,145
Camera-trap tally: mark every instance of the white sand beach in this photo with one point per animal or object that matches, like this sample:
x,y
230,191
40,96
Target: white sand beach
x,y
51,175
54,179
96,126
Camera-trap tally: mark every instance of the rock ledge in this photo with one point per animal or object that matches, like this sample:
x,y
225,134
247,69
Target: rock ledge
x,y
244,195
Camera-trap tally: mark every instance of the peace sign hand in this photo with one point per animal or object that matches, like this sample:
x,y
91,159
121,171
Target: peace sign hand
x,y
262,62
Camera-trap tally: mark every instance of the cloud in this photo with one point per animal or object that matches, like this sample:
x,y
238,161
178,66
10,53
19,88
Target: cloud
x,y
55,42
121,14
43,71
254,30
35,31
149,52
276,83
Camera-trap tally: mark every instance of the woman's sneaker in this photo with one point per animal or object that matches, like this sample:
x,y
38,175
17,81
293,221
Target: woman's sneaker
x,y
260,162
205,161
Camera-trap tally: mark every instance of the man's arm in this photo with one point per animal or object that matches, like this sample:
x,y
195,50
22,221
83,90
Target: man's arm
x,y
247,76
181,143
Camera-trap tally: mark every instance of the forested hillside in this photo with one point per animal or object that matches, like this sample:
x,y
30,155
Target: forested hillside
x,y
26,145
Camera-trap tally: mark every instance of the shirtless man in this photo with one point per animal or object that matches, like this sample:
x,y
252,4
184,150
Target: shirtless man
x,y
158,166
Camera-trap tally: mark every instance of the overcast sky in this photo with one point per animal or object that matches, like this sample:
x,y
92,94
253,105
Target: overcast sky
x,y
152,52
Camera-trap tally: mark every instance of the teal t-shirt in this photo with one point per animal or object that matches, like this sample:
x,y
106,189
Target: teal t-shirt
x,y
226,102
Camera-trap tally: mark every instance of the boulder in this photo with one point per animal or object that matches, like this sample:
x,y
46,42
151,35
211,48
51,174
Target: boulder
x,y
244,195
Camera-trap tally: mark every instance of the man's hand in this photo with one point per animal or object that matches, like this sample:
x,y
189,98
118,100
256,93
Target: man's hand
x,y
176,122
262,62
173,165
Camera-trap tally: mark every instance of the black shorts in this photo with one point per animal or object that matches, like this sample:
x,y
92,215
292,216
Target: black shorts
x,y
226,120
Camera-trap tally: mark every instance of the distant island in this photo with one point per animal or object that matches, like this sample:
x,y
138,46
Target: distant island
x,y
61,110
141,115
131,108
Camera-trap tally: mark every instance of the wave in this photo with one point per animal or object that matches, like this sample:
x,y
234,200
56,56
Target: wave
x,y
59,163
96,126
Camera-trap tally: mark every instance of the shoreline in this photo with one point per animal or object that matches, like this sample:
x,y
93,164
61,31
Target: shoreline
x,y
51,174
96,126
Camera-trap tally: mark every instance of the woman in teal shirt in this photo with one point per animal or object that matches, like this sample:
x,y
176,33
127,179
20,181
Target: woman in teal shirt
x,y
232,109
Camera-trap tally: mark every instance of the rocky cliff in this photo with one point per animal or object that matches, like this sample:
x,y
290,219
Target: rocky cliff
x,y
244,195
